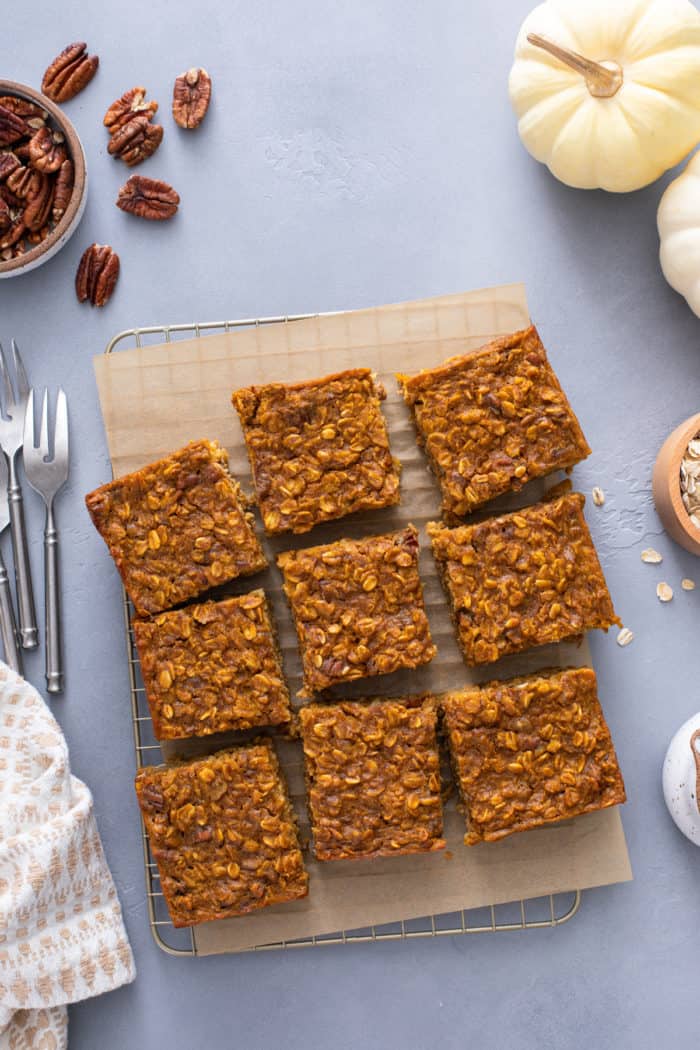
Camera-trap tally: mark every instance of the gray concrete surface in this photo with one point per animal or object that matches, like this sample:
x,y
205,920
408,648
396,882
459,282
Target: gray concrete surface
x,y
357,154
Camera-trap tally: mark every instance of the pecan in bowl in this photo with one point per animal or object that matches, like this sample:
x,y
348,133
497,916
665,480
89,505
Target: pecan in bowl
x,y
148,198
69,72
191,97
97,274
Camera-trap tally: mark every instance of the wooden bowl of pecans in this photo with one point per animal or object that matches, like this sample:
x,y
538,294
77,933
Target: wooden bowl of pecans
x,y
676,484
43,179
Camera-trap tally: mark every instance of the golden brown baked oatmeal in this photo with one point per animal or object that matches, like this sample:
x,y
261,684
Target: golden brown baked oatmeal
x,y
318,449
212,667
492,420
373,778
522,579
358,608
530,751
177,527
223,833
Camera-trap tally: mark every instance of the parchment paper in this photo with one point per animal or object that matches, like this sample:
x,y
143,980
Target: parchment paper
x,y
155,399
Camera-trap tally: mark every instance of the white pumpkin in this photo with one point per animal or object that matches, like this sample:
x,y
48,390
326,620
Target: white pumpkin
x,y
678,223
607,92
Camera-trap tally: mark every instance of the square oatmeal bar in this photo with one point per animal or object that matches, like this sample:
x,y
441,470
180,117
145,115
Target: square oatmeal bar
x,y
177,527
358,608
223,834
212,667
318,449
530,751
492,420
373,778
522,579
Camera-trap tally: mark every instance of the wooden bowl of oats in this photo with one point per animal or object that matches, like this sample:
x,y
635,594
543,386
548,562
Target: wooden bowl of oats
x,y
676,484
43,179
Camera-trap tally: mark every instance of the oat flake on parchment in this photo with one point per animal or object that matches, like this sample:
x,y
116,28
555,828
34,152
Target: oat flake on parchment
x,y
663,592
625,637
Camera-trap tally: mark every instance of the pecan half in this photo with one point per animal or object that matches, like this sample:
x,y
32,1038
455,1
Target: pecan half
x,y
38,209
127,107
97,274
191,96
11,198
25,182
64,190
47,150
148,198
5,217
135,141
37,236
9,162
69,72
15,230
23,107
12,126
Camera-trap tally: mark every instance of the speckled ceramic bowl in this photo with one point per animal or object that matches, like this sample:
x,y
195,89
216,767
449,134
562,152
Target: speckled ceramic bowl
x,y
68,224
666,486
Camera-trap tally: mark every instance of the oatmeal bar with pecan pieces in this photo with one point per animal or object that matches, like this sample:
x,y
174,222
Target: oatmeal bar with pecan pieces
x,y
522,579
492,420
212,667
177,527
318,449
223,833
529,751
358,608
373,778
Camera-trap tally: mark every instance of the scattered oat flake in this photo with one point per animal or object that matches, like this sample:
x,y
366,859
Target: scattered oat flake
x,y
598,496
663,592
625,636
651,557
688,585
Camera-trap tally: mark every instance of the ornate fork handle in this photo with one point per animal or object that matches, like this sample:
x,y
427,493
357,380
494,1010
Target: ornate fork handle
x,y
54,661
25,597
8,629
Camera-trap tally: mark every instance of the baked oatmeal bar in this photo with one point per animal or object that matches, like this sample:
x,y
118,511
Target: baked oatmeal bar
x,y
318,450
212,667
373,778
522,579
223,833
530,751
177,527
492,420
358,608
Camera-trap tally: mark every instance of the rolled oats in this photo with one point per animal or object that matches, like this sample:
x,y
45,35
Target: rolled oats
x,y
664,592
651,557
690,480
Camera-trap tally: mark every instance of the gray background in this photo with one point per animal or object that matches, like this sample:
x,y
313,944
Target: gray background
x,y
357,154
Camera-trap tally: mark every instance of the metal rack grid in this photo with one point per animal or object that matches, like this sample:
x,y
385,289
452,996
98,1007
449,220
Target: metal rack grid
x,y
536,913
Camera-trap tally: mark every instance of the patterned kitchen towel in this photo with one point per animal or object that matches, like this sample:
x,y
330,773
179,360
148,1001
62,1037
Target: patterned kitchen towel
x,y
61,932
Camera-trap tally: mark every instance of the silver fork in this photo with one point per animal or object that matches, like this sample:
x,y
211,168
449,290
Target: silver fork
x,y
46,476
11,436
8,628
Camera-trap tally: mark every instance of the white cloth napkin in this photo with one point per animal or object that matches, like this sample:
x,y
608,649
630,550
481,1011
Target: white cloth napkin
x,y
62,938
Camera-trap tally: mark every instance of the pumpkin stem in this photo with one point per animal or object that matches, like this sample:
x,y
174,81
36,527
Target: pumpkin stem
x,y
603,79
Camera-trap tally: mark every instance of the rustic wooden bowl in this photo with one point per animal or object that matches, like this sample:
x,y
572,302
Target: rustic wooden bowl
x,y
68,224
666,486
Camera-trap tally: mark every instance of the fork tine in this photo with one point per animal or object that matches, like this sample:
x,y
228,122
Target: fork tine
x,y
29,426
21,375
6,384
60,434
44,432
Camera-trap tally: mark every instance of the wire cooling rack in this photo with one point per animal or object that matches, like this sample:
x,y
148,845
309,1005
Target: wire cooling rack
x,y
531,914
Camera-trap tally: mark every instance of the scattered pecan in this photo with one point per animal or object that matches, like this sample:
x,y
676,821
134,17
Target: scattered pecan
x,y
135,141
69,73
64,189
148,198
97,274
47,150
9,162
38,208
191,96
127,107
12,126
